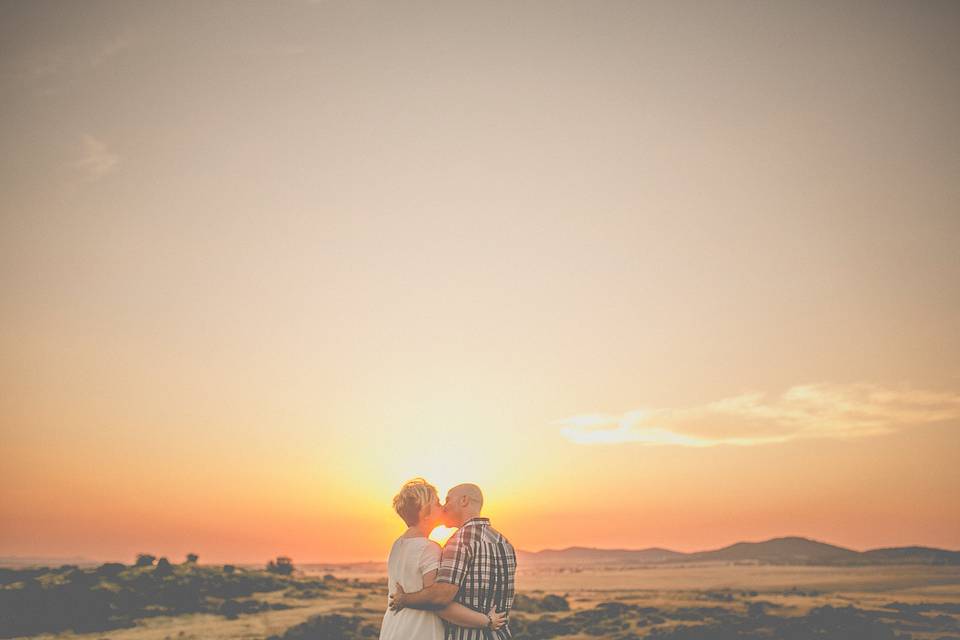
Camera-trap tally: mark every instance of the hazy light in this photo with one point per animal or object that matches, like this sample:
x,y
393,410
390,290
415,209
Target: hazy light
x,y
441,533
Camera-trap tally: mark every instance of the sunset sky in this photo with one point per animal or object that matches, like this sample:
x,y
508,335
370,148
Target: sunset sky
x,y
671,274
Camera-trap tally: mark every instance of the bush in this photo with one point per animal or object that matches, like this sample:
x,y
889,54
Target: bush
x,y
164,568
283,566
110,569
230,609
330,627
144,560
548,603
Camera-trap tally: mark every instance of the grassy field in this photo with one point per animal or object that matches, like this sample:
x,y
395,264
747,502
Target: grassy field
x,y
713,602
747,576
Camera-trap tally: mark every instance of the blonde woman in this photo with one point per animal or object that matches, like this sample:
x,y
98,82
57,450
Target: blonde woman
x,y
413,563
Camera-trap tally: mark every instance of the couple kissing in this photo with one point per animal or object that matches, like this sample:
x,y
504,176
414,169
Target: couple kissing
x,y
462,591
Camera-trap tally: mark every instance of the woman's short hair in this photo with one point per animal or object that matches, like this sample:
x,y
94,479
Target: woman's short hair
x,y
413,497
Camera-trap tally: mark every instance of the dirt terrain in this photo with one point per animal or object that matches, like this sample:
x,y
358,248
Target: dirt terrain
x,y
715,601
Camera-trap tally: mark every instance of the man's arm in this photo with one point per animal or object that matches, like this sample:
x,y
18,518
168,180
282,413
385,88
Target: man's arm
x,y
435,597
455,560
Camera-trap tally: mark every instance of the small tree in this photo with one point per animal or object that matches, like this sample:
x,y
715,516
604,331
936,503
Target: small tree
x,y
192,558
164,568
144,560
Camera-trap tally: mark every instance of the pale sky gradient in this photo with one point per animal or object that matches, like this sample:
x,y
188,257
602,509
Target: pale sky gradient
x,y
651,273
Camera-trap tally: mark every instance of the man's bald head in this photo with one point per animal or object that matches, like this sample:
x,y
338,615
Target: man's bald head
x,y
471,491
464,501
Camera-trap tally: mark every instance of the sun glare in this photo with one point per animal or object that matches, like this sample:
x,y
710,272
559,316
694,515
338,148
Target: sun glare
x,y
440,534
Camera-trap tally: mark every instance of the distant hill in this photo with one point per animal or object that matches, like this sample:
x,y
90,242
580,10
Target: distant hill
x,y
916,555
792,550
587,555
46,561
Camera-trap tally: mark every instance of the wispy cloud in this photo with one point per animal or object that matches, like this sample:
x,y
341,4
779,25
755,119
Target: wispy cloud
x,y
96,159
110,48
51,70
804,411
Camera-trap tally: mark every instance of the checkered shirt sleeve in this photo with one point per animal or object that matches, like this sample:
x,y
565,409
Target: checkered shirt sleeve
x,y
456,559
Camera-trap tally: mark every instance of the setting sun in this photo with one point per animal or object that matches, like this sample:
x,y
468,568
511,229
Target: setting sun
x,y
441,533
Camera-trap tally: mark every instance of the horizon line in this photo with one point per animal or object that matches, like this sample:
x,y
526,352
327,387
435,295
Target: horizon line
x,y
86,559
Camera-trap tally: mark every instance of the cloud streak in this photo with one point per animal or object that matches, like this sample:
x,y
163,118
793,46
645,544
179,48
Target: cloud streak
x,y
52,70
96,160
803,411
110,49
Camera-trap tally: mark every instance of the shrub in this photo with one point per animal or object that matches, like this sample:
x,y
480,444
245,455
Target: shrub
x,y
164,567
144,560
282,566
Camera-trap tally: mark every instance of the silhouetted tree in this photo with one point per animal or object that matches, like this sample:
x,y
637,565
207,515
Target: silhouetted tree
x,y
229,568
163,567
192,558
144,560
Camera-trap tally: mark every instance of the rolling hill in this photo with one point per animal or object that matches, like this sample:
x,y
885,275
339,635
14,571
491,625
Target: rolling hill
x,y
793,550
587,555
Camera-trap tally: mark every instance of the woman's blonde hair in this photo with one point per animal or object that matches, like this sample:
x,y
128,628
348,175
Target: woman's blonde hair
x,y
413,497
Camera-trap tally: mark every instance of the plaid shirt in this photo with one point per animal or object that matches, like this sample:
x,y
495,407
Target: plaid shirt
x,y
479,560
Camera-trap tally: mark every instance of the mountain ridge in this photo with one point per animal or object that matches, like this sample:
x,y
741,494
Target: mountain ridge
x,y
792,550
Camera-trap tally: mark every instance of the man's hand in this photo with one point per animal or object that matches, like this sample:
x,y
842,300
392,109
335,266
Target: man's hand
x,y
397,598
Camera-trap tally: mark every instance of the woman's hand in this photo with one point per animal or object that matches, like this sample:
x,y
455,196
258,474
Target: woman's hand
x,y
396,599
497,620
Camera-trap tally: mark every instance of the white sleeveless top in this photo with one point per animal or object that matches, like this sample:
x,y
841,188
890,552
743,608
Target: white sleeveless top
x,y
410,558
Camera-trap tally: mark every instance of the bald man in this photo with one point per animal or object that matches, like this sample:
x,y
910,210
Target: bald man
x,y
477,568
